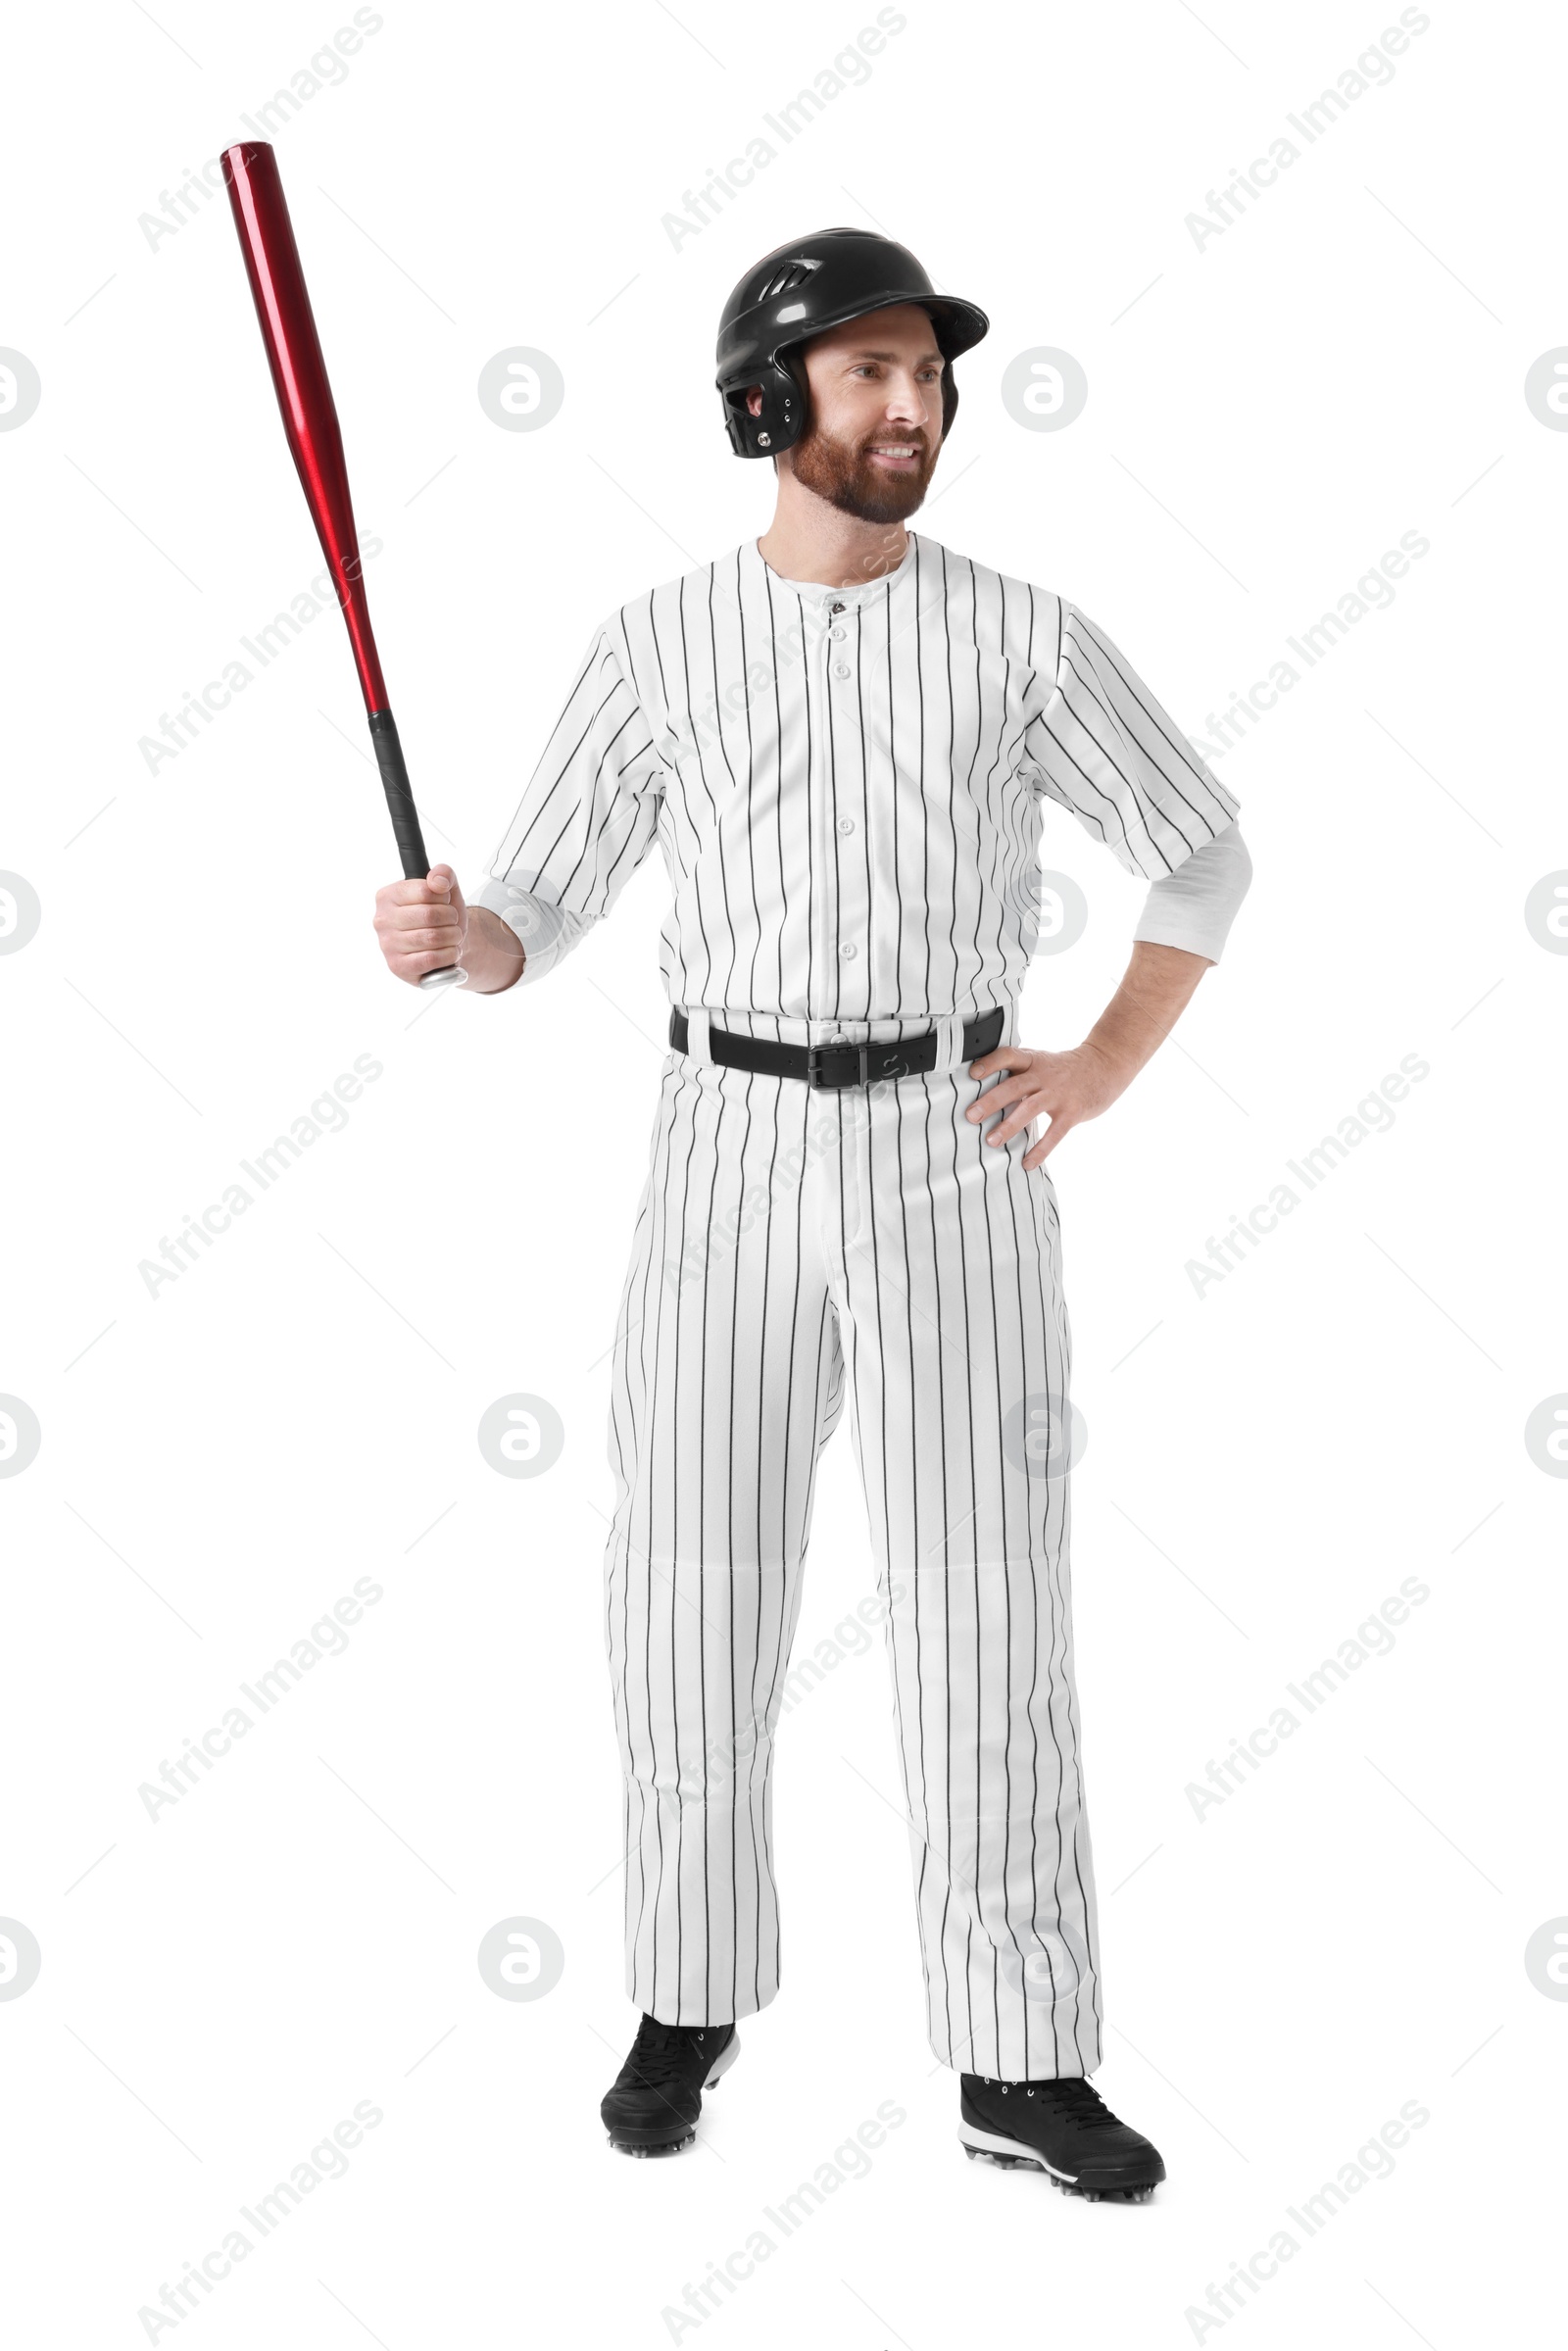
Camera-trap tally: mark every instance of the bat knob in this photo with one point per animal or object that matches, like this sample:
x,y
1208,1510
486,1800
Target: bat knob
x,y
452,977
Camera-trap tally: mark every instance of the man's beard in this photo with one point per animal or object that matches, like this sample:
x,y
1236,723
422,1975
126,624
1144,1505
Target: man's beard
x,y
847,478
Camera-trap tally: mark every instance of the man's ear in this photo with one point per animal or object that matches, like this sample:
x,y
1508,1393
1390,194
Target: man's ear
x,y
753,400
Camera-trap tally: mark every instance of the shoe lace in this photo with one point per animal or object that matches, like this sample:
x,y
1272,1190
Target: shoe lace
x,y
658,2050
1074,2097
1080,2101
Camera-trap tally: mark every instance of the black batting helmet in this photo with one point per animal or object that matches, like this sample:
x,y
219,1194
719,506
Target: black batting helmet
x,y
800,289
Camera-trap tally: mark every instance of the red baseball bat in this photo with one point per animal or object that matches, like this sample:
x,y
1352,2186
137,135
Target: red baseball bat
x,y
310,421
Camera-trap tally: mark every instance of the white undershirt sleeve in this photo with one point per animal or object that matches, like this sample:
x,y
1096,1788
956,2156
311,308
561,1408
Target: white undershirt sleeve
x,y
1194,906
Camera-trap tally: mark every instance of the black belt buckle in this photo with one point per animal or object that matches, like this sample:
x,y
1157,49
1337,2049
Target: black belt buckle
x,y
853,1066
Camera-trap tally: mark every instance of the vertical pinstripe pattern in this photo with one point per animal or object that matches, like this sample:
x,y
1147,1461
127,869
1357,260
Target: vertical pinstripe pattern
x,y
845,786
793,1247
875,790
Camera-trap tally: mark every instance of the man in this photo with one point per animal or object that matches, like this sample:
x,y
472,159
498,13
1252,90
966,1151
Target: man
x,y
839,735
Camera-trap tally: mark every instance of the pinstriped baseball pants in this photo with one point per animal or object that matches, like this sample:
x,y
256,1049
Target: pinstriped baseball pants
x,y
793,1247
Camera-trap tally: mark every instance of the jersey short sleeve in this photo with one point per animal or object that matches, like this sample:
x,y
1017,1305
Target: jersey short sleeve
x,y
1103,747
587,818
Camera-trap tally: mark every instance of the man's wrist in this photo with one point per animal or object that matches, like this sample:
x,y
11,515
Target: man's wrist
x,y
493,953
1120,1066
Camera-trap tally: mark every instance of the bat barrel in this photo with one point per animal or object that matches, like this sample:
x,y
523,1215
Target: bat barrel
x,y
304,391
309,422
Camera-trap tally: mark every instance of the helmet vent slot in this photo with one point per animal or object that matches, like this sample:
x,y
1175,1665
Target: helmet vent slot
x,y
785,280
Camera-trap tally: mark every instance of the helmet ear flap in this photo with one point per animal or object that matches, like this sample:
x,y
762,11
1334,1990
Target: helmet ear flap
x,y
781,419
794,398
785,414
950,399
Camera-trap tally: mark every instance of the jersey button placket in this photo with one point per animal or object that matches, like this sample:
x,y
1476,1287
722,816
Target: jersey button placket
x,y
848,783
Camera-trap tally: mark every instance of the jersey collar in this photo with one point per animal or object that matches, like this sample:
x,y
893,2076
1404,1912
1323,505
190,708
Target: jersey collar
x,y
816,592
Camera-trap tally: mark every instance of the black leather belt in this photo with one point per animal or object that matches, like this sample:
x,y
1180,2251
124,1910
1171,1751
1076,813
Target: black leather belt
x,y
836,1066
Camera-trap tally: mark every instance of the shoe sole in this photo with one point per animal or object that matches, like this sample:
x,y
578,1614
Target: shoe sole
x,y
1010,2154
674,2147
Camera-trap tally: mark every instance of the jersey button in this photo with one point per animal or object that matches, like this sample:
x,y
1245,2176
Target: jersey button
x,y
840,668
846,825
835,632
849,951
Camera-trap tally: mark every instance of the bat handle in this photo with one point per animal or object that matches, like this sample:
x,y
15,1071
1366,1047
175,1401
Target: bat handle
x,y
406,821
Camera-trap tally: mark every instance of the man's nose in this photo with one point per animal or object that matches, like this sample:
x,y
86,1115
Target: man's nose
x,y
908,404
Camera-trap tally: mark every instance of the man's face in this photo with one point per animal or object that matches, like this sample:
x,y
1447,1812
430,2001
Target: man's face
x,y
876,415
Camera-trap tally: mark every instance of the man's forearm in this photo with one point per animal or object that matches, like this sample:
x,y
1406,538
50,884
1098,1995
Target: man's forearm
x,y
1156,990
493,954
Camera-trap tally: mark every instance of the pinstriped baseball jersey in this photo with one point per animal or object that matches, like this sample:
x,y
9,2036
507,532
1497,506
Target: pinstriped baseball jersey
x,y
846,785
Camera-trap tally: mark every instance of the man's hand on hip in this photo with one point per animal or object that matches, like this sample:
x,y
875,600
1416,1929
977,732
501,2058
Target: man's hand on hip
x,y
1064,1088
1068,1088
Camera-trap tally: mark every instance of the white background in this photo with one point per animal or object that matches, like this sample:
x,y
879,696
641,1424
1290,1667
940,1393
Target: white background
x,y
1267,1461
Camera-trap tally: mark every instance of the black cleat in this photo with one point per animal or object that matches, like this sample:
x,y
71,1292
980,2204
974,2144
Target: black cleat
x,y
652,2107
1062,2128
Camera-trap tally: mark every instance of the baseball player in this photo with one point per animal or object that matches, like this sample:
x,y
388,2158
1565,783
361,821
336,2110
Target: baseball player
x,y
839,735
